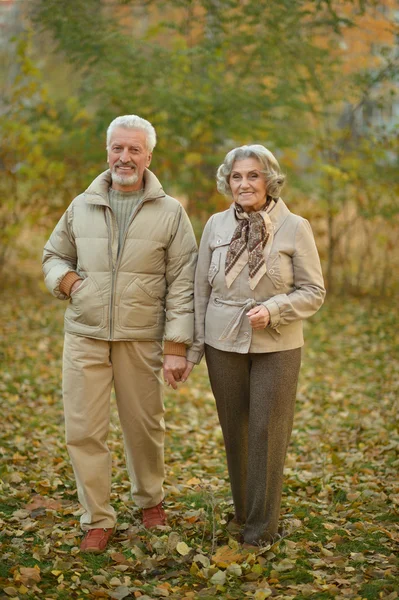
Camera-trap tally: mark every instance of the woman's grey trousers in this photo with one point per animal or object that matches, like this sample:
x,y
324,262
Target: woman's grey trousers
x,y
255,398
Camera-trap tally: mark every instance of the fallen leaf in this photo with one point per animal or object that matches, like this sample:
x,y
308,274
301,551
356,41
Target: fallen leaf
x,y
234,569
120,592
160,592
284,565
204,560
219,578
28,574
225,555
182,548
42,501
263,594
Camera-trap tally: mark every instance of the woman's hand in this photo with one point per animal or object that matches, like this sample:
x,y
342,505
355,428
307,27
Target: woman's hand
x,y
259,317
189,368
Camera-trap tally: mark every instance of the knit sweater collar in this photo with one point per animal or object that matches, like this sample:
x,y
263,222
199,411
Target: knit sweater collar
x,y
119,196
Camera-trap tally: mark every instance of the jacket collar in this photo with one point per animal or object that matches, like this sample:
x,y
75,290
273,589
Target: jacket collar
x,y
97,192
277,215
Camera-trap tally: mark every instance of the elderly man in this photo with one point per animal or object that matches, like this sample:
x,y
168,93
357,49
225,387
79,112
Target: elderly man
x,y
124,255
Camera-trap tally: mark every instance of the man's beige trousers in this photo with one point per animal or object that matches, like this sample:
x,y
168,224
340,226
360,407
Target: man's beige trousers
x,y
90,368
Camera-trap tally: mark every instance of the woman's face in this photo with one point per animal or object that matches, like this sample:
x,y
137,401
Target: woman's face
x,y
247,184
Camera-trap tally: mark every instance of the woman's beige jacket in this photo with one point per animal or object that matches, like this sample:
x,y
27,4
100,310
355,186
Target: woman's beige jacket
x,y
143,293
292,288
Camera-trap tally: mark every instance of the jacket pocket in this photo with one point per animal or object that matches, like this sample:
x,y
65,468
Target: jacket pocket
x,y
86,305
274,270
218,257
214,266
139,307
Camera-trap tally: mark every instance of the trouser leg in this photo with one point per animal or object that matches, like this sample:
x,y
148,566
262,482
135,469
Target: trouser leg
x,y
274,378
87,382
229,377
139,395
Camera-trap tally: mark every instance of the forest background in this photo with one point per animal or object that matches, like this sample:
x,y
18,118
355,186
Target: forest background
x,y
317,83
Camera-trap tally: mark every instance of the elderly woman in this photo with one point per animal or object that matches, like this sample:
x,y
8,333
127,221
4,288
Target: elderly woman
x,y
258,277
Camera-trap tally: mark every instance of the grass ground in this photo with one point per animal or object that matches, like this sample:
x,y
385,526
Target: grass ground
x,y
341,492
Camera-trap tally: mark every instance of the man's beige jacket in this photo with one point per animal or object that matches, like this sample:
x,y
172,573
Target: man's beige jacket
x,y
292,289
143,293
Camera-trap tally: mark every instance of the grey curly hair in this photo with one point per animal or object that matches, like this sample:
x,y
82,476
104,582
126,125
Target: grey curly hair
x,y
270,168
134,122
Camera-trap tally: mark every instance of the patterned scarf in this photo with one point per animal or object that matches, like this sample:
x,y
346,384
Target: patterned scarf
x,y
247,245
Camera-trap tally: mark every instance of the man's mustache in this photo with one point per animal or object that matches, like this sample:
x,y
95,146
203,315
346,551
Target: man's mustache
x,y
132,166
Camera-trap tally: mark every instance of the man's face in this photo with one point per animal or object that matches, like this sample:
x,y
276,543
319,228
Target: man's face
x,y
127,157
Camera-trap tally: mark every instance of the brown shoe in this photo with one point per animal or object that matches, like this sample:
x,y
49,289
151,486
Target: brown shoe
x,y
96,540
154,516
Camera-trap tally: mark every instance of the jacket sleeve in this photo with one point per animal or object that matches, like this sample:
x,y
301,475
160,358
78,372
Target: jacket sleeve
x,y
202,292
309,291
60,256
181,258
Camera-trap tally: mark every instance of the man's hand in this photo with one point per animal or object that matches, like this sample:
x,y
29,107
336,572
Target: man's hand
x,y
75,286
173,369
259,317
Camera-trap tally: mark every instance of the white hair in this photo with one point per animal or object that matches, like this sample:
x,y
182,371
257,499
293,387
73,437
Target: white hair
x,y
270,168
134,122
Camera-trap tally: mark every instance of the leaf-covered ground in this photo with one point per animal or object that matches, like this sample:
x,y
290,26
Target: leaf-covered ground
x,y
341,495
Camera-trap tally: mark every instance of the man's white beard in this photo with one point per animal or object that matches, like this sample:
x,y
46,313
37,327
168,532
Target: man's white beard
x,y
121,180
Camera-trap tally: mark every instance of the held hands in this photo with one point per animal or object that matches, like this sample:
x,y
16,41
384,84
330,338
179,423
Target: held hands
x,y
176,369
259,317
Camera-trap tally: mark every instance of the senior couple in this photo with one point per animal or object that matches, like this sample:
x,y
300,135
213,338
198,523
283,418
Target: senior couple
x,y
125,256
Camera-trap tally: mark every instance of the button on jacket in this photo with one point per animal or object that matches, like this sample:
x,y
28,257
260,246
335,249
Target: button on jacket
x,y
145,292
292,289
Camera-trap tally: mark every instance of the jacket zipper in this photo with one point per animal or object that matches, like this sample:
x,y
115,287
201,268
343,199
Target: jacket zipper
x,y
110,218
115,267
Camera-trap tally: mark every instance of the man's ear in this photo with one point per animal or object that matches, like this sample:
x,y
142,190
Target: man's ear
x,y
149,160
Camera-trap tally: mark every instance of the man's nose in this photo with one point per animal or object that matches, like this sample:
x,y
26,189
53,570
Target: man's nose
x,y
125,156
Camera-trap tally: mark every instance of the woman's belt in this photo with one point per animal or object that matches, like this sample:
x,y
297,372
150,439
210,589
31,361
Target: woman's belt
x,y
233,327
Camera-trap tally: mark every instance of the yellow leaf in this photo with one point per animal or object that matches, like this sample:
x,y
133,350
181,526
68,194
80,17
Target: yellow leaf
x,y
262,594
193,481
23,590
182,548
